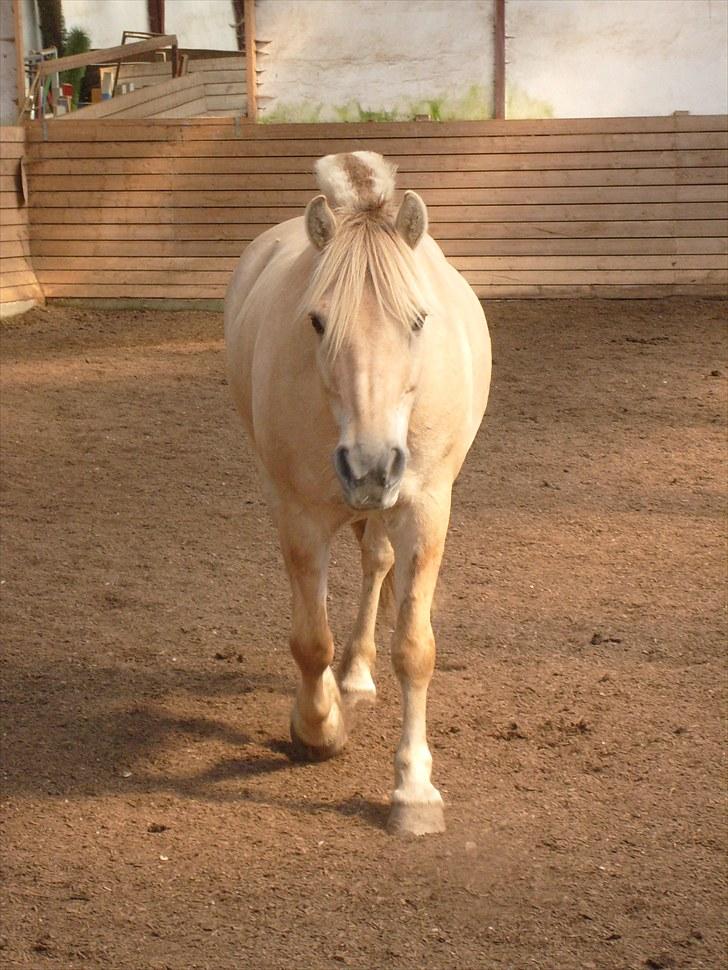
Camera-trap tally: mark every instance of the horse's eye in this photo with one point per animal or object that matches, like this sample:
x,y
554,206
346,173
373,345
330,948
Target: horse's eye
x,y
419,321
317,324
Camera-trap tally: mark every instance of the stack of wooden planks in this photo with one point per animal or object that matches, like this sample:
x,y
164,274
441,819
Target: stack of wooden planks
x,y
211,87
18,284
158,210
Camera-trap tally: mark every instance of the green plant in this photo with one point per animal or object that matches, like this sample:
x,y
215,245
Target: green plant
x,y
76,41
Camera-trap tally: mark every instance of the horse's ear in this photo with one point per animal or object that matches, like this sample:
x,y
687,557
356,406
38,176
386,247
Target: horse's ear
x,y
411,221
320,222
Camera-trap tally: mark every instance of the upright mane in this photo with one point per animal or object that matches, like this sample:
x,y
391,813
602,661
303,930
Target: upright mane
x,y
366,247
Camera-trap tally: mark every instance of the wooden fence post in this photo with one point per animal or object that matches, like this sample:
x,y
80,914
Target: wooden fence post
x,y
499,59
19,53
250,74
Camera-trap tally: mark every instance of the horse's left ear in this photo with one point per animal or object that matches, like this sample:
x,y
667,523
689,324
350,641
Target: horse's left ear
x,y
411,221
320,222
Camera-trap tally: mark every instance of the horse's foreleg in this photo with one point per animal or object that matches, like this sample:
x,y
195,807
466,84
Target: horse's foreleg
x,y
377,558
418,534
317,724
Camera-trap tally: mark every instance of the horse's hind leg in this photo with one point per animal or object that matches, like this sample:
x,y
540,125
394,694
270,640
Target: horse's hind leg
x,y
377,558
317,723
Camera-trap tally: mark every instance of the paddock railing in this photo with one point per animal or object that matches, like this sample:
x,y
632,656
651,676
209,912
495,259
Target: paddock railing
x,y
19,287
161,210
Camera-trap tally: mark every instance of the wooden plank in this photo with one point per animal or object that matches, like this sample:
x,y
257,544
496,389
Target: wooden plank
x,y
368,131
489,293
499,59
111,190
14,233
222,138
251,79
50,245
188,109
207,64
467,264
197,158
619,277
107,55
225,223
485,291
20,277
10,134
58,223
134,290
14,264
152,174
11,250
169,278
19,39
11,152
14,217
173,278
10,200
19,293
200,207
142,103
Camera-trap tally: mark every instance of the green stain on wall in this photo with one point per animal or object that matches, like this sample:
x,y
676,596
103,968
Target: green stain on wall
x,y
520,104
475,104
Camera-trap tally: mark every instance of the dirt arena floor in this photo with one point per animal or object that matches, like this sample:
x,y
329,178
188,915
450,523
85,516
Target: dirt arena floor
x,y
151,817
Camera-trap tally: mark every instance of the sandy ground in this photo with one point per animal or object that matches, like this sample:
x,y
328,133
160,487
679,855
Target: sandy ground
x,y
151,816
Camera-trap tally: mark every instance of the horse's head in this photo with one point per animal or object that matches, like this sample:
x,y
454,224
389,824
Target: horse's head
x,y
367,307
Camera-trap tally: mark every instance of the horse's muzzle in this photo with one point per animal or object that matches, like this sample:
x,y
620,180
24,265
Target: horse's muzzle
x,y
370,482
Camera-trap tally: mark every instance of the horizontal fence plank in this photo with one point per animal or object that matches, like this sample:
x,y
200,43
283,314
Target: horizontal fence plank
x,y
466,264
108,191
128,206
128,223
48,245
196,158
416,130
98,178
222,277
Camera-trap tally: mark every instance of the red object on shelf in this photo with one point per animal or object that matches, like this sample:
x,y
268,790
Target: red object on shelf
x,y
67,90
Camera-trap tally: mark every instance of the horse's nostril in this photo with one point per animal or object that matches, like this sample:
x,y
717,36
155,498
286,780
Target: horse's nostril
x,y
396,464
343,468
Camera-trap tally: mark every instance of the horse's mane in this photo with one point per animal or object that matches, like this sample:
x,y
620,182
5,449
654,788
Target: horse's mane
x,y
359,187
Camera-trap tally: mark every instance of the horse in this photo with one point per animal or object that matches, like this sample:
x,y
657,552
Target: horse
x,y
359,361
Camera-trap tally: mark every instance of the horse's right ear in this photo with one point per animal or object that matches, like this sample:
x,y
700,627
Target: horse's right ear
x,y
411,221
320,222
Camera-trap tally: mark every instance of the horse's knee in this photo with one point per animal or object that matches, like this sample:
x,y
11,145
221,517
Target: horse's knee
x,y
313,655
379,561
413,655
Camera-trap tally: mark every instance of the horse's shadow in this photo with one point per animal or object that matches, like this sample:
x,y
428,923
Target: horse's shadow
x,y
109,742
209,784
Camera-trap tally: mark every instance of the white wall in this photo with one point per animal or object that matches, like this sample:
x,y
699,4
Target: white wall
x,y
601,58
105,20
332,60
197,23
349,60
8,92
206,24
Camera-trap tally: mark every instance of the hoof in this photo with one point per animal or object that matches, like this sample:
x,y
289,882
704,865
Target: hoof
x,y
425,818
302,750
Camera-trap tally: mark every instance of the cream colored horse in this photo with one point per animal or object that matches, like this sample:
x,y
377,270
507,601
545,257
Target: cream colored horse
x,y
359,360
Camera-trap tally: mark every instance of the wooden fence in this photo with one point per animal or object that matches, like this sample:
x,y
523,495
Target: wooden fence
x,y
18,284
600,207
